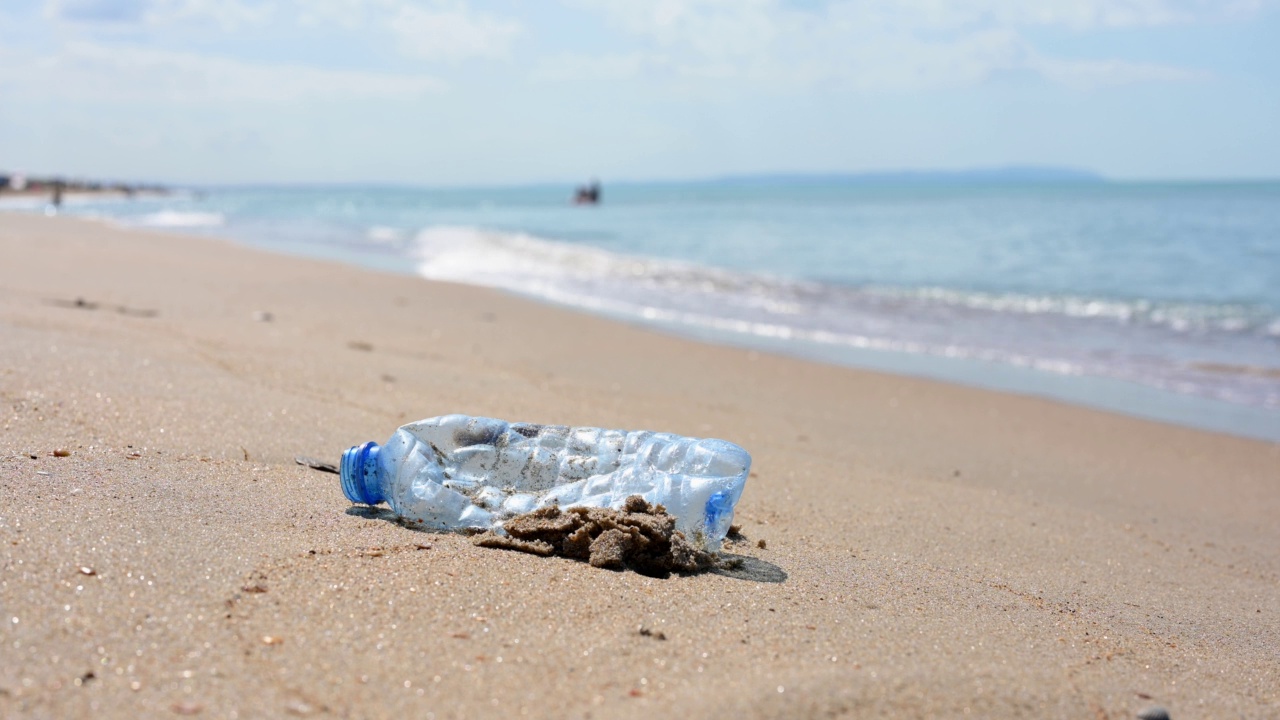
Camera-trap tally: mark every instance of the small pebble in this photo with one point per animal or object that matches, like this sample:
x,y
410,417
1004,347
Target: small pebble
x,y
263,316
88,571
61,453
1155,712
271,640
656,635
762,544
187,708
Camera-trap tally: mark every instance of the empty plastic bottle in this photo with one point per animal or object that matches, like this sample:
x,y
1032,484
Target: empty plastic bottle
x,y
457,472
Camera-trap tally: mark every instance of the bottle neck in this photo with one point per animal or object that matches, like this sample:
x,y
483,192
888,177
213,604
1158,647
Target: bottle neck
x,y
361,474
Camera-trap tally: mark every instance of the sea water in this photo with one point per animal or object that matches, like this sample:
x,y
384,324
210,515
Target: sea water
x,y
1157,300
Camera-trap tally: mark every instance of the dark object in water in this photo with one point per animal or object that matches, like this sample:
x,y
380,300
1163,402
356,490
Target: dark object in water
x,y
588,194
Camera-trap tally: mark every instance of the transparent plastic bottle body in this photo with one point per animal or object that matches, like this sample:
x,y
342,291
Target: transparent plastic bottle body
x,y
457,472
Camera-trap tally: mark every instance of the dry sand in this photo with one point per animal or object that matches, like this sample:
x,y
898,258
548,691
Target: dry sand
x,y
931,550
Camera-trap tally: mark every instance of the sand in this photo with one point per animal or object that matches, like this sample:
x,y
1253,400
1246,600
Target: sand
x,y
930,550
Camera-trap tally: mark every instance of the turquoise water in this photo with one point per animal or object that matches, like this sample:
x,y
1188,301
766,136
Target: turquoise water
x,y
1158,300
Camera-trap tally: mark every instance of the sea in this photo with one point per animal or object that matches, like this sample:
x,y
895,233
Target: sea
x,y
1158,300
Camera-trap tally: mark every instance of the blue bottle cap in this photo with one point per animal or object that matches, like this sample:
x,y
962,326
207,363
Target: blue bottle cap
x,y
360,482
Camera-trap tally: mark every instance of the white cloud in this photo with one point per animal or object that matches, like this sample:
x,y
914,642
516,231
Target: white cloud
x,y
227,15
573,66
667,17
349,14
426,29
711,28
451,32
1089,74
97,11
876,44
1080,14
92,72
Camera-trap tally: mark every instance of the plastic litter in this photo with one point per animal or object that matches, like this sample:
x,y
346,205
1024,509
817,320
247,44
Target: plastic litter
x,y
458,472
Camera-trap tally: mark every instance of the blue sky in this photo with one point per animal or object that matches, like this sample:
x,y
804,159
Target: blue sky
x,y
447,92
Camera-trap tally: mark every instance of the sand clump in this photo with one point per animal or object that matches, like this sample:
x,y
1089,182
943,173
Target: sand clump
x,y
639,536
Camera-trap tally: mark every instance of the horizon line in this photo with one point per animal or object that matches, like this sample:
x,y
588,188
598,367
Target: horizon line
x,y
991,175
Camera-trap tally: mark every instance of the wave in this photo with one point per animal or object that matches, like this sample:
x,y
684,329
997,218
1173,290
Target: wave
x,y
523,262
1180,347
384,235
177,219
23,202
1179,317
78,198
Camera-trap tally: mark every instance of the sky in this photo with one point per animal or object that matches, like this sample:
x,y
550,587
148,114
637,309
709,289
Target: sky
x,y
479,92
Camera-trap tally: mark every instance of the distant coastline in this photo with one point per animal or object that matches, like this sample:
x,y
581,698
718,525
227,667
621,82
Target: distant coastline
x,y
997,175
20,185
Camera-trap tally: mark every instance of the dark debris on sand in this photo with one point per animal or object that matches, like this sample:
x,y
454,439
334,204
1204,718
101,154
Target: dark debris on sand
x,y
639,536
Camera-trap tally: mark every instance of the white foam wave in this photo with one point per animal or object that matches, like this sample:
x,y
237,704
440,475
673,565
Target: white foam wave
x,y
1179,317
384,235
514,260
548,270
504,259
469,255
23,202
178,219
107,198
779,331
1068,336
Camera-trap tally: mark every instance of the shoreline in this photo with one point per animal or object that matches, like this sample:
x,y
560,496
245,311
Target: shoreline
x,y
940,547
43,197
1127,397
1091,392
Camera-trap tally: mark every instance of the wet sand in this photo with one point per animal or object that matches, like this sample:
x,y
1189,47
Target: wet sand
x,y
929,550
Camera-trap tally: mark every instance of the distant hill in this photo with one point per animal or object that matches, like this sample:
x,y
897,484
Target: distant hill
x,y
922,177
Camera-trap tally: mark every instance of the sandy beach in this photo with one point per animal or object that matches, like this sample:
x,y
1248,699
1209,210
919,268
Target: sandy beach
x,y
913,549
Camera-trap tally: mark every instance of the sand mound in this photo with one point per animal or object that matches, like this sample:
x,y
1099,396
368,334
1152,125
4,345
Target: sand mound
x,y
639,536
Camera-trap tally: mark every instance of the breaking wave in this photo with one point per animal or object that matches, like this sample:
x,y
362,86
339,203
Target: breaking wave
x,y
564,272
176,219
1065,335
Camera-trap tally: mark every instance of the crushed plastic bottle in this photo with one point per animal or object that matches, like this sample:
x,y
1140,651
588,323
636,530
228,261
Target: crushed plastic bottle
x,y
458,472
